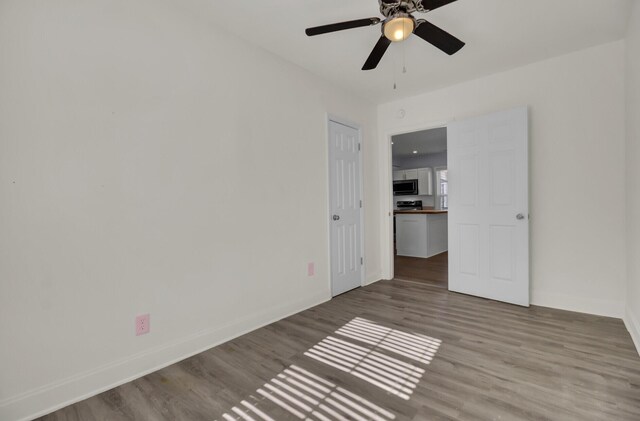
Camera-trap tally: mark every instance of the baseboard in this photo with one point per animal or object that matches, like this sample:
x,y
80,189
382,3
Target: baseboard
x,y
631,322
48,398
597,307
372,279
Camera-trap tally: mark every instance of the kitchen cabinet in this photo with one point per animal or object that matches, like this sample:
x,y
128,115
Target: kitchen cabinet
x,y
405,175
421,235
425,181
410,174
423,175
398,175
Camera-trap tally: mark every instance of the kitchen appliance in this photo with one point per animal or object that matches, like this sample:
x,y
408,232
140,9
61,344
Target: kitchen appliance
x,y
405,188
409,205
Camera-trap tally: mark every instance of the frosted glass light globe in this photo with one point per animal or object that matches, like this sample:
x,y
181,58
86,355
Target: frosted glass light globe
x,y
398,29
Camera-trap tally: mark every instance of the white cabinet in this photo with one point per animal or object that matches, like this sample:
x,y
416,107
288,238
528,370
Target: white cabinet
x,y
405,175
437,234
421,235
423,175
410,174
411,235
425,181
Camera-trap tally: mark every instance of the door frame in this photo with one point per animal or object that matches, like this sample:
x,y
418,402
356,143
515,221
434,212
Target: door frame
x,y
387,257
345,122
435,180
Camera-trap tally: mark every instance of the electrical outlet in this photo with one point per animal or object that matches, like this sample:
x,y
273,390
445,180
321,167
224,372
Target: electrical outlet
x,y
142,325
311,269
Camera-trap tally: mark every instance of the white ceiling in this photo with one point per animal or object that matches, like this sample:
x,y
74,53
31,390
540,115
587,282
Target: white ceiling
x,y
423,142
500,34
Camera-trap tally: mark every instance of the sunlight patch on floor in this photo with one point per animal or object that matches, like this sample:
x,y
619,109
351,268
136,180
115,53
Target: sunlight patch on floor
x,y
372,364
383,357
418,347
305,395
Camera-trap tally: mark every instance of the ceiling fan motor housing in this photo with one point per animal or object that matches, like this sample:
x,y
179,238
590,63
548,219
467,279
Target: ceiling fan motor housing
x,y
390,8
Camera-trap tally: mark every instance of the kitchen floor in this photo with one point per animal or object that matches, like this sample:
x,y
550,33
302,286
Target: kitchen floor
x,y
433,271
396,351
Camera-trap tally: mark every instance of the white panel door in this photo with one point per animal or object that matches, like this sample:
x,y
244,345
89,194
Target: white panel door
x,y
489,206
344,178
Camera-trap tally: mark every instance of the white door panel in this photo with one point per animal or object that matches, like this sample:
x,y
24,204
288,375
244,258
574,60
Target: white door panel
x,y
488,190
344,190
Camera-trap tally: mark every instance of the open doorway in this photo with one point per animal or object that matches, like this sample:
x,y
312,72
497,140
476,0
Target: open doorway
x,y
420,198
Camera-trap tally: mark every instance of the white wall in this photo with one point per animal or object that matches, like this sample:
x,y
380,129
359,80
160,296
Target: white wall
x,y
133,136
632,316
577,130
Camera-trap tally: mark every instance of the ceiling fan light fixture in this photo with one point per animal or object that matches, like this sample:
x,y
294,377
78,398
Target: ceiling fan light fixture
x,y
398,28
398,25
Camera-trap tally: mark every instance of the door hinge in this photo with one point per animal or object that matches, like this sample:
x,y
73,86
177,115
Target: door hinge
x,y
361,203
362,260
358,146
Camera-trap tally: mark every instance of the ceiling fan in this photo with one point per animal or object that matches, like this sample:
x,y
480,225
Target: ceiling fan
x,y
397,26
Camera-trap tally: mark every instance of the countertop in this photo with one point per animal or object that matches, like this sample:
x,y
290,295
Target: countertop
x,y
420,212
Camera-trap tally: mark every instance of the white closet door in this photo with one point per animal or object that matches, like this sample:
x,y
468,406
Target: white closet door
x,y
346,247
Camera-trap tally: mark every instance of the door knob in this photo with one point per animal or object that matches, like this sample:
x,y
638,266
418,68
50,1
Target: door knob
x,y
519,217
336,217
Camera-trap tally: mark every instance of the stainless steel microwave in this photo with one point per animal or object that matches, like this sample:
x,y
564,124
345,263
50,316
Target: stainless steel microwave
x,y
405,188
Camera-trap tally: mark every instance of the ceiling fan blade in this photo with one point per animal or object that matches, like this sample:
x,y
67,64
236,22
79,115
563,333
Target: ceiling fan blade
x,y
438,37
341,26
377,53
434,4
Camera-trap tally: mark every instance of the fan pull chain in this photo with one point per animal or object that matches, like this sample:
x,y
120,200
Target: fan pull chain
x,y
404,58
394,78
404,55
394,73
393,70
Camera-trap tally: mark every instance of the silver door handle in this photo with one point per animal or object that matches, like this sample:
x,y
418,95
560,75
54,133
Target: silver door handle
x,y
519,217
336,217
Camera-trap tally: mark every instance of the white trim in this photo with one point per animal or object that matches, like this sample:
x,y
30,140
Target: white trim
x,y
632,325
358,128
372,279
436,185
386,174
56,395
607,308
